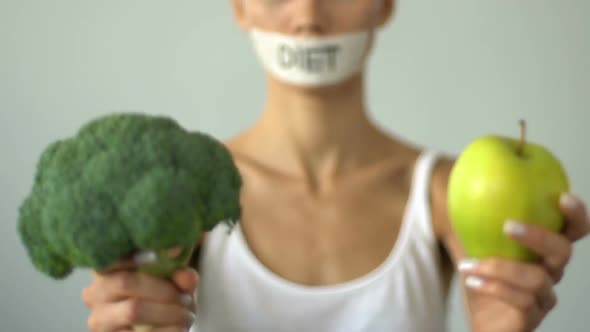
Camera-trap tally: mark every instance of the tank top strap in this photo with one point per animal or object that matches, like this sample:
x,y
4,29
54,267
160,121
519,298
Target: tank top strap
x,y
421,209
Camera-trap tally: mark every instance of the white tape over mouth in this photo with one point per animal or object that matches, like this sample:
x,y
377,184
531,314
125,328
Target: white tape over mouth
x,y
311,61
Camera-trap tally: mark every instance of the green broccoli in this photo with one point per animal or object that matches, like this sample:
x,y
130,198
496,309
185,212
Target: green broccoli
x,y
127,182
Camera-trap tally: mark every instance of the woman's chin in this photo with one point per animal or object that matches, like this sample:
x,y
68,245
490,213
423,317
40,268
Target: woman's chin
x,y
316,88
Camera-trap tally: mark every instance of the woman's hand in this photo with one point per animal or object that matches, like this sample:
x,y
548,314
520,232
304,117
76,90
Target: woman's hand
x,y
121,298
514,296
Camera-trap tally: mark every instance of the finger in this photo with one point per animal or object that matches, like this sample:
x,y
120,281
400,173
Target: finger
x,y
577,223
554,248
525,276
525,302
103,319
158,314
547,301
187,281
171,329
88,296
124,314
123,284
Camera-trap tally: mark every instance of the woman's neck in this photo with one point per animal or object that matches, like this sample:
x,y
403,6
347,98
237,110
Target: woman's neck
x,y
316,134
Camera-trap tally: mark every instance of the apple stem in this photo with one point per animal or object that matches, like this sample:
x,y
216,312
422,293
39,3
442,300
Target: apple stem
x,y
522,124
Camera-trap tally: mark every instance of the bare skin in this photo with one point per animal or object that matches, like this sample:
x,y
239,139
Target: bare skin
x,y
320,231
324,194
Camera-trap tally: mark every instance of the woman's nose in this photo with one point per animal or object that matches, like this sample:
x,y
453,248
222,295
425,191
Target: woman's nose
x,y
309,18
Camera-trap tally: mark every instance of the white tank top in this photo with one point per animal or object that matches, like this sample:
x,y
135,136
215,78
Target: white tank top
x,y
405,293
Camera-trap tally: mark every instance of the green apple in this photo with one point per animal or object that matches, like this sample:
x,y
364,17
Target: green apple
x,y
496,178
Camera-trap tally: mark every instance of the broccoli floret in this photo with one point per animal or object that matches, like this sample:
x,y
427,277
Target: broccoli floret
x,y
126,182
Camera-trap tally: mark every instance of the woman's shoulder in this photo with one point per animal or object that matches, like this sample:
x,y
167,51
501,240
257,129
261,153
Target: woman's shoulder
x,y
408,153
439,178
438,195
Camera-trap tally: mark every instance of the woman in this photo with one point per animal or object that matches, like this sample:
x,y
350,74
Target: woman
x,y
344,227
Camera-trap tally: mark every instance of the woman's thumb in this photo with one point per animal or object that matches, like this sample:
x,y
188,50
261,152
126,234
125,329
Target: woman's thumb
x,y
187,280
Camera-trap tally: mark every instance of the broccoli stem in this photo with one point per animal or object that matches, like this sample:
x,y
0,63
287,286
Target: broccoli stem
x,y
165,266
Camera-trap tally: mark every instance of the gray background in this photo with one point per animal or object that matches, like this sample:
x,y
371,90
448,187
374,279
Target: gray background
x,y
443,73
